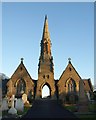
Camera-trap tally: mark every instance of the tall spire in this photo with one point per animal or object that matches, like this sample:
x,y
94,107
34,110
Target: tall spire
x,y
45,42
45,66
46,35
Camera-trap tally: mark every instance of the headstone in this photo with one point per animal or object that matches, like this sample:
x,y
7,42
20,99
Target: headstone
x,y
19,105
15,102
83,99
88,94
12,110
4,104
24,98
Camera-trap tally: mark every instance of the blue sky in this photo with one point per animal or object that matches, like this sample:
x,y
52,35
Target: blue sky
x,y
71,27
48,0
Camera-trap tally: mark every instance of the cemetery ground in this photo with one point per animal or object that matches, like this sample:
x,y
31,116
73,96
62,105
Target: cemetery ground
x,y
19,114
90,115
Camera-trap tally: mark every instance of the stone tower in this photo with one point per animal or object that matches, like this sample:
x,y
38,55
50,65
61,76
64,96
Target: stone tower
x,y
45,66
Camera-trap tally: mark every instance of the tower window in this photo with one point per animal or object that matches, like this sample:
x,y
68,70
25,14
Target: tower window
x,y
48,76
44,76
70,69
21,68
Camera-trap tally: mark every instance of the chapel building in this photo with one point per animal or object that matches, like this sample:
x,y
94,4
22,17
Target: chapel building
x,y
65,89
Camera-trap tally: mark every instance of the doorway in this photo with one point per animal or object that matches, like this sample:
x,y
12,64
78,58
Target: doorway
x,y
45,91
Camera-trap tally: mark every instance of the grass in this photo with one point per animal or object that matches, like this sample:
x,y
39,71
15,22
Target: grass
x,y
92,107
5,112
86,116
72,108
25,110
91,115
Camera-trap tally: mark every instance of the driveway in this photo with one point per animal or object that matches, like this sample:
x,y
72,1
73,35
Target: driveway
x,y
48,109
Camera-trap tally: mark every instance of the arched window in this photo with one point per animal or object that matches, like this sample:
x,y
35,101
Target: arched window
x,y
21,86
71,85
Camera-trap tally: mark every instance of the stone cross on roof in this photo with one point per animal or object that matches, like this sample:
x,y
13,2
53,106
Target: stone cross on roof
x,y
69,60
22,59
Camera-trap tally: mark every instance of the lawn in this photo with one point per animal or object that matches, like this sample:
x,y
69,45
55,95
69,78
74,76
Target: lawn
x,y
24,112
86,116
91,115
72,108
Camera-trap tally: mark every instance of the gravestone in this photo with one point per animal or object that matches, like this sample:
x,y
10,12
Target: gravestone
x,y
83,99
19,105
24,98
88,94
4,104
12,110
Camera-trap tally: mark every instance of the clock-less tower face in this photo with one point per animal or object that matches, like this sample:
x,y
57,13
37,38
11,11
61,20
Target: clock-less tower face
x,y
45,66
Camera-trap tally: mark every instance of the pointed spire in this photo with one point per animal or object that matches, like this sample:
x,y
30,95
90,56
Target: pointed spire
x,y
45,55
46,42
46,35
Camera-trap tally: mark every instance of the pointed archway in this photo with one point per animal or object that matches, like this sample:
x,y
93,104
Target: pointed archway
x,y
46,91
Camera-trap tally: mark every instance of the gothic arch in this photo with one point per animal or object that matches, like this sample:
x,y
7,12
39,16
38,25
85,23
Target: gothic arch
x,y
48,94
20,87
71,93
70,85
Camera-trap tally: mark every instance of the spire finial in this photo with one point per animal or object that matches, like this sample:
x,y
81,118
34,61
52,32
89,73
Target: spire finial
x,y
45,29
69,60
45,16
22,60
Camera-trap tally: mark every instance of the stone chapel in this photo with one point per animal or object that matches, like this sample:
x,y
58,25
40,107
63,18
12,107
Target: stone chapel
x,y
65,89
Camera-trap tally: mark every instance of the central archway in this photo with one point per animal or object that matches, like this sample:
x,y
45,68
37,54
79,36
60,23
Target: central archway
x,y
46,92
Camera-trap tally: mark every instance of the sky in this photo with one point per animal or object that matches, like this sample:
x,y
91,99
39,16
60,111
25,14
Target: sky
x,y
71,27
47,0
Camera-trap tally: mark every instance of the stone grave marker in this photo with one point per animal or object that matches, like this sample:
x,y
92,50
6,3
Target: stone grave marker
x,y
88,94
4,104
83,99
19,105
24,98
12,110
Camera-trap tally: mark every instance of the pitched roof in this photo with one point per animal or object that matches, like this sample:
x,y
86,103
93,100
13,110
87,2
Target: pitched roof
x,y
21,65
67,67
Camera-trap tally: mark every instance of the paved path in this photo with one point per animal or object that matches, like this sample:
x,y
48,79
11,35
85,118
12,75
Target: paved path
x,y
48,109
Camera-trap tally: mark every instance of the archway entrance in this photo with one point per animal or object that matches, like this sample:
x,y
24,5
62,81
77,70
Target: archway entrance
x,y
45,91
